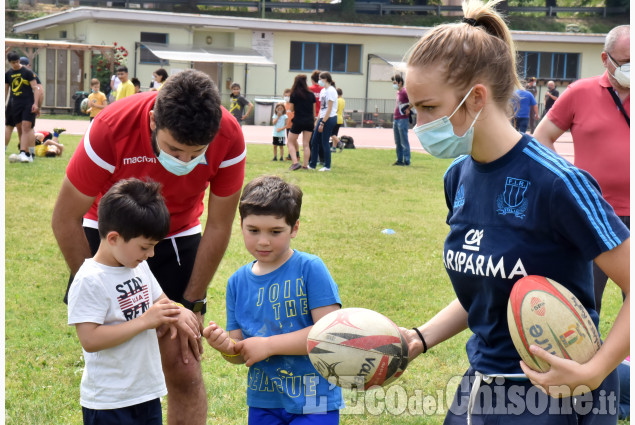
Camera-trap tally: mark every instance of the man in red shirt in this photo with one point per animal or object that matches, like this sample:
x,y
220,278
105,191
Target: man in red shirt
x,y
184,139
597,111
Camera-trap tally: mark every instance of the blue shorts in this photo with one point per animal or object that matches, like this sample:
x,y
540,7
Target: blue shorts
x,y
260,416
519,402
148,413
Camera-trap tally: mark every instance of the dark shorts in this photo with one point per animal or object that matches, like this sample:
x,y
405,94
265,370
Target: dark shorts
x,y
171,265
148,413
15,114
336,129
297,128
278,141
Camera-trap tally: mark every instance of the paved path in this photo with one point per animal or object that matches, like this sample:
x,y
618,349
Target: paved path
x,y
379,138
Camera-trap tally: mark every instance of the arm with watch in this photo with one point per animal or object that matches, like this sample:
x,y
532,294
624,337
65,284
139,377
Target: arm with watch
x,y
220,217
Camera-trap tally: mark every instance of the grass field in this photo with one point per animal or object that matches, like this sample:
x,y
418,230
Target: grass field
x,y
344,211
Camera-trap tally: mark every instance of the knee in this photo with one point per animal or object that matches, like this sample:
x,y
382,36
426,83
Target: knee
x,y
183,376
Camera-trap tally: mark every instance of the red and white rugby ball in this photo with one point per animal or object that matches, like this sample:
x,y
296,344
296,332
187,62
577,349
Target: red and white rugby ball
x,y
542,312
357,348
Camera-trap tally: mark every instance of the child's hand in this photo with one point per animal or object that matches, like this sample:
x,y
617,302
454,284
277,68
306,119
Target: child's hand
x,y
253,350
219,339
163,311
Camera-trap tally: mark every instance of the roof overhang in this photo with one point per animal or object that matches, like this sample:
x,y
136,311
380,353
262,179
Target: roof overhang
x,y
392,60
182,53
53,44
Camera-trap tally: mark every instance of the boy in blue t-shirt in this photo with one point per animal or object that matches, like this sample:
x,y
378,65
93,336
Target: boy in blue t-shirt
x,y
272,303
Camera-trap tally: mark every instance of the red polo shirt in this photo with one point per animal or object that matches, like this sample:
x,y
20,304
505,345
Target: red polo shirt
x,y
601,137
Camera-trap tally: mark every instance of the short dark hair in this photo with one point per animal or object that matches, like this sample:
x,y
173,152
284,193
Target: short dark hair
x,y
134,208
315,76
135,82
339,92
163,73
397,79
271,195
122,69
234,85
13,56
188,106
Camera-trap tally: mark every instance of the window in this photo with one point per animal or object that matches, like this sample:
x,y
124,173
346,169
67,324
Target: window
x,y
549,66
145,55
329,57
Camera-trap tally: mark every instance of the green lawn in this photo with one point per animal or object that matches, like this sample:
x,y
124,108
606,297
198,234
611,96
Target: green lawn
x,y
344,211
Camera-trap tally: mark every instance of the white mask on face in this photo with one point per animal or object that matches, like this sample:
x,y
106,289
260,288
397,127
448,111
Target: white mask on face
x,y
622,73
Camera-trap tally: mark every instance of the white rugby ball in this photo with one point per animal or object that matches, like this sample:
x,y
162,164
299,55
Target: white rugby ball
x,y
357,348
542,312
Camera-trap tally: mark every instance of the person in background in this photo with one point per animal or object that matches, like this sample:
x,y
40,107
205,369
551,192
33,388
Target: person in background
x,y
237,104
287,104
158,78
550,97
20,88
46,144
325,123
531,88
137,85
401,122
597,112
341,104
279,124
24,61
126,88
96,99
114,85
525,107
301,100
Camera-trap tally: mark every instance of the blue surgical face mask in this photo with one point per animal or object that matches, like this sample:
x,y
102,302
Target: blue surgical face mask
x,y
395,86
437,137
321,83
174,165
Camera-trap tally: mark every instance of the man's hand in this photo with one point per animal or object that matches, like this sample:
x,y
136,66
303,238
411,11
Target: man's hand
x,y
188,330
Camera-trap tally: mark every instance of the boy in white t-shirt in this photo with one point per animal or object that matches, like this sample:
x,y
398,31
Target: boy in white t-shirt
x,y
116,304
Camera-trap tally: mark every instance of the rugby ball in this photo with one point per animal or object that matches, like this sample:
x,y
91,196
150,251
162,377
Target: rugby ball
x,y
83,106
542,312
357,348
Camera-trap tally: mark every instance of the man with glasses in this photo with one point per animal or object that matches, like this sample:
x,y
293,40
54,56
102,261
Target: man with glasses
x,y
597,111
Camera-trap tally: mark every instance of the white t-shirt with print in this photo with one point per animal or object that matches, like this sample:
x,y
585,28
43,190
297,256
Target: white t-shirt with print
x,y
130,373
325,95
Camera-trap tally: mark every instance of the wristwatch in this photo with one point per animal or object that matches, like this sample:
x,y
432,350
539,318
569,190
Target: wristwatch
x,y
198,306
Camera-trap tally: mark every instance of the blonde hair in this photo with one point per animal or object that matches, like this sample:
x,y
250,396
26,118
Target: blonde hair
x,y
477,50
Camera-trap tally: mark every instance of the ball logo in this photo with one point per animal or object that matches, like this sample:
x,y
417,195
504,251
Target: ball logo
x,y
537,306
572,336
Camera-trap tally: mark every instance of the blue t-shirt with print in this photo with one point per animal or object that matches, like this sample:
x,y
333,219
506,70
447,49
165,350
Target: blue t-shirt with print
x,y
277,303
529,212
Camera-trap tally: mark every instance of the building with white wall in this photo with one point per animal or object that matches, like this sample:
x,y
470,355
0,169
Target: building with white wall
x,y
265,55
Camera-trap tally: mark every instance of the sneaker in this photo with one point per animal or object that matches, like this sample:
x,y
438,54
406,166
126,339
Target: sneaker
x,y
274,158
281,158
325,169
333,149
295,166
305,168
24,158
340,145
14,157
309,168
59,130
288,157
399,163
